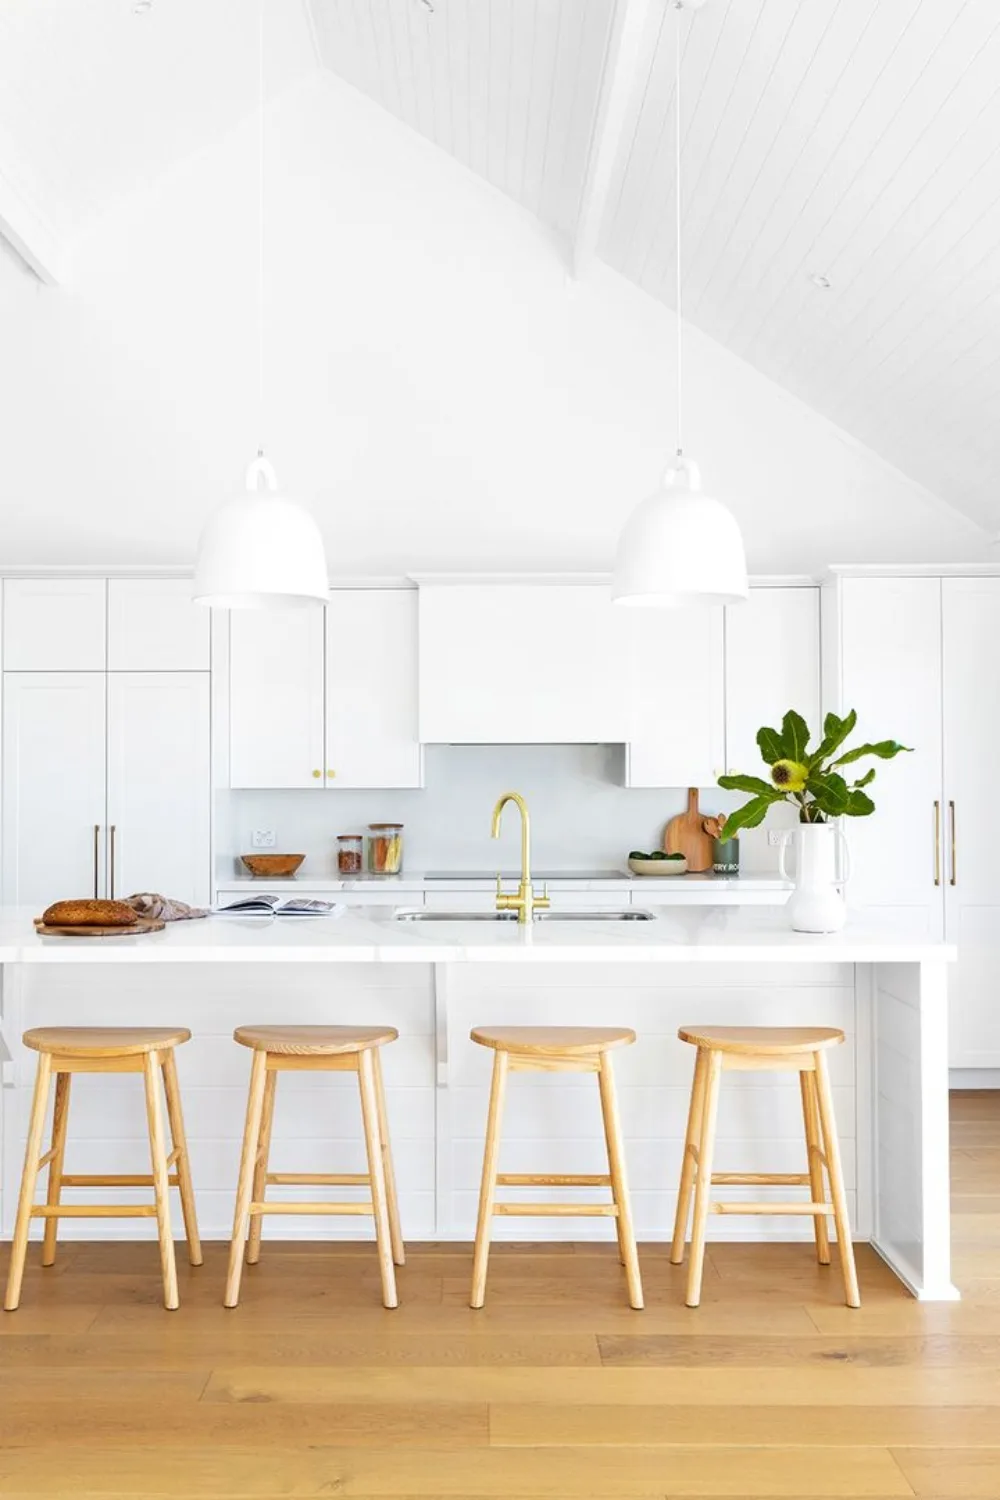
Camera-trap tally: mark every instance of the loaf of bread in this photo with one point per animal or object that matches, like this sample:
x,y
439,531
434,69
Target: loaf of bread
x,y
85,913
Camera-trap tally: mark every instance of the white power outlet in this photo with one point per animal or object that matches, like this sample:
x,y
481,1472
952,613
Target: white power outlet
x,y
262,838
776,837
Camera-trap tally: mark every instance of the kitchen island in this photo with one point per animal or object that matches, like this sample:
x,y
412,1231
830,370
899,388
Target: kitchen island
x,y
433,980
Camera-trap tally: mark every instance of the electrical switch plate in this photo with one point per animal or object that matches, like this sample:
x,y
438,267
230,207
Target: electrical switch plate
x,y
776,837
262,838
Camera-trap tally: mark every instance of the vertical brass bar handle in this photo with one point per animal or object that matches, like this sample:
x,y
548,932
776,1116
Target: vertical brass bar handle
x,y
112,833
97,857
954,866
937,843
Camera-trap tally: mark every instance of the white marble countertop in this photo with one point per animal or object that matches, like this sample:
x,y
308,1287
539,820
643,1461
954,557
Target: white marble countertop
x,y
704,934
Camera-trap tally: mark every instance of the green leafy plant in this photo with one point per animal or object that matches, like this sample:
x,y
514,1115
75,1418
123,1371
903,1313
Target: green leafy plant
x,y
814,781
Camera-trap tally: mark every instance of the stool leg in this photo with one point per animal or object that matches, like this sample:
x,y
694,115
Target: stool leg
x,y
376,1175
175,1115
703,1180
244,1187
488,1186
32,1151
619,1182
831,1143
260,1169
161,1187
690,1158
396,1234
810,1114
60,1119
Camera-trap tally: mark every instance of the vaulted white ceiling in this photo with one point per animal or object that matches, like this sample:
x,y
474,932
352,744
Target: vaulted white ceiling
x,y
856,141
852,140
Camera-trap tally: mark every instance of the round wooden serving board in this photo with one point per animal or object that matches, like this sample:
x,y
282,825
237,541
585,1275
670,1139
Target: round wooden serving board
x,y
141,924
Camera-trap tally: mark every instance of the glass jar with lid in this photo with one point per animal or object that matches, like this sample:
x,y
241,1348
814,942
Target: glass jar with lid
x,y
350,854
385,848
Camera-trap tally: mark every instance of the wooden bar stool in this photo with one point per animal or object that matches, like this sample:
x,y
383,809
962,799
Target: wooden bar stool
x,y
743,1048
317,1049
555,1049
63,1051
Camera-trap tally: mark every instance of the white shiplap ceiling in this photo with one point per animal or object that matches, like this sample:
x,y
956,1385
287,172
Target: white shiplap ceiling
x,y
856,140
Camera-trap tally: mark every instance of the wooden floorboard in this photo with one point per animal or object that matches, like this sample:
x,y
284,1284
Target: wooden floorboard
x,y
772,1388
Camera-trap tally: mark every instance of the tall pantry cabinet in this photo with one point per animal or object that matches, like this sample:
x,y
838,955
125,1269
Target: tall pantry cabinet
x,y
916,657
106,740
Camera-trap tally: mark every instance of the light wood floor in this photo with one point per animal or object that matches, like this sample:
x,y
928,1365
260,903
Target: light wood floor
x,y
771,1388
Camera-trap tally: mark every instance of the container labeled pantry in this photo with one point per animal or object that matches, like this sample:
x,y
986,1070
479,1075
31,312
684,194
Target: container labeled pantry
x,y
385,848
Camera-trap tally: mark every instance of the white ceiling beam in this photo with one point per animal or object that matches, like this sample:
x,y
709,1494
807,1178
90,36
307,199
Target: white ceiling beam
x,y
33,241
617,82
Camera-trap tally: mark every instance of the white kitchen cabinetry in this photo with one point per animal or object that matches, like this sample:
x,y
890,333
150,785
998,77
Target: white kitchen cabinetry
x,y
522,663
159,784
911,654
155,626
326,702
676,675
55,624
371,689
772,665
54,786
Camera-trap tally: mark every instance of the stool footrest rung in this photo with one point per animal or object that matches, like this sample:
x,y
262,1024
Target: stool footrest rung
x,y
557,1210
358,1209
318,1179
113,1179
772,1208
93,1211
563,1179
762,1179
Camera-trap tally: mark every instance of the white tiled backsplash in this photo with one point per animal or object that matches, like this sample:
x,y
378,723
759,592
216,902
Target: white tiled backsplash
x,y
581,815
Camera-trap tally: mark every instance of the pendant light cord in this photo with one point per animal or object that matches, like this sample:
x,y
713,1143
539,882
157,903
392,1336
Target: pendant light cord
x,y
677,224
260,225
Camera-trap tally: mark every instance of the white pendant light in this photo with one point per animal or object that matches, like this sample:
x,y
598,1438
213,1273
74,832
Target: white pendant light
x,y
679,546
261,550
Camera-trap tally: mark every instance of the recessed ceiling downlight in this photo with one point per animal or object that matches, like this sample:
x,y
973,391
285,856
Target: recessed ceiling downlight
x,y
823,282
141,7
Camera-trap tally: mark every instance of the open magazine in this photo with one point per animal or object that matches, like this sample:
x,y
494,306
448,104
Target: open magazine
x,y
275,906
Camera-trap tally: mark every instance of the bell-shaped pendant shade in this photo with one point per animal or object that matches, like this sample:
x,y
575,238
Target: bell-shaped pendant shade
x,y
261,551
680,547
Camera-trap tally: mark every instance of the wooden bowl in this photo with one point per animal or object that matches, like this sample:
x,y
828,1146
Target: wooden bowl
x,y
658,866
272,865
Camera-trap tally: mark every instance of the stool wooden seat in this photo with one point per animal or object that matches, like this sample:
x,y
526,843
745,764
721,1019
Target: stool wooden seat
x,y
63,1051
555,1049
779,1048
329,1049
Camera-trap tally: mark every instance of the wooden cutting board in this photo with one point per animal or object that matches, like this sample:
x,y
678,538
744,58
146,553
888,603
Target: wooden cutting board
x,y
685,835
141,924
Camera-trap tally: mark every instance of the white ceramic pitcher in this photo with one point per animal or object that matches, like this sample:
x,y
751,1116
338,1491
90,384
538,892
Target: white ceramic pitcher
x,y
817,903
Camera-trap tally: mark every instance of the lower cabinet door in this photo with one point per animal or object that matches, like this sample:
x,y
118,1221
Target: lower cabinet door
x,y
54,772
159,784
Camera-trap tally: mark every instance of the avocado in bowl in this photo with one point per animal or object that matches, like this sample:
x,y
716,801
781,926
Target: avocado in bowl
x,y
656,863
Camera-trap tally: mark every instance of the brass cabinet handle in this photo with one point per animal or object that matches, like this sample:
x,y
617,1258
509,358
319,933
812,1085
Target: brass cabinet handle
x,y
317,775
97,838
954,865
112,832
937,843
331,774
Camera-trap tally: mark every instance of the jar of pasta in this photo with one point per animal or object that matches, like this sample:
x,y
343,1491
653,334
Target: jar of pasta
x,y
385,848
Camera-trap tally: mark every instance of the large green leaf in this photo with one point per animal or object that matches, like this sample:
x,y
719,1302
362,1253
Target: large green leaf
x,y
835,732
859,804
884,749
866,778
771,745
794,736
748,784
750,814
830,793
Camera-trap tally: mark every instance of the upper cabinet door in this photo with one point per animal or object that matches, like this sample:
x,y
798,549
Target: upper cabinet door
x,y
971,832
159,784
772,665
276,698
154,626
54,781
371,689
55,624
521,664
676,677
890,672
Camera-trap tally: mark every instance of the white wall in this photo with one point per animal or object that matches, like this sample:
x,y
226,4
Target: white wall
x,y
581,816
434,380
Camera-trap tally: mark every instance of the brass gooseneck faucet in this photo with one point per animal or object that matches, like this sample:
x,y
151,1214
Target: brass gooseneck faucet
x,y
525,903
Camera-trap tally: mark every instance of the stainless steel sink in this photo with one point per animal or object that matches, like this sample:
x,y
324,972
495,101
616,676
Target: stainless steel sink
x,y
421,914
